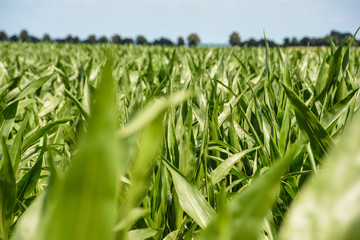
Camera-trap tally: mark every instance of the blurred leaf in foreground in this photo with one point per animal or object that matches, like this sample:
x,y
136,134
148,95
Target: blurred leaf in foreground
x,y
329,205
81,205
7,192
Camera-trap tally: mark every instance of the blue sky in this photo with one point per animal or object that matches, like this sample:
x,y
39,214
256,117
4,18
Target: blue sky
x,y
212,20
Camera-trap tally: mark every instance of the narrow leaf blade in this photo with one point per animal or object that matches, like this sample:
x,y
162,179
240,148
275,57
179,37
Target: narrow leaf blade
x,y
319,138
191,199
328,207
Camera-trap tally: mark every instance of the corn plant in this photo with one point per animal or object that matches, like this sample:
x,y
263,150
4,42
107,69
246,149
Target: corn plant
x,y
146,142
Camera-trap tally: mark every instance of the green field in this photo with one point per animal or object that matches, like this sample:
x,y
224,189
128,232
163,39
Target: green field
x,y
145,142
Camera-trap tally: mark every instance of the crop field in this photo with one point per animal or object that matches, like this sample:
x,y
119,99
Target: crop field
x,y
145,142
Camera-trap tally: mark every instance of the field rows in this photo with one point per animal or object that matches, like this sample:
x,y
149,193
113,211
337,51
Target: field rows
x,y
135,142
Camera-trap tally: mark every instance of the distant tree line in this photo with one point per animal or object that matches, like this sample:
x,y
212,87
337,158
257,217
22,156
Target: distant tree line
x,y
24,36
337,38
192,40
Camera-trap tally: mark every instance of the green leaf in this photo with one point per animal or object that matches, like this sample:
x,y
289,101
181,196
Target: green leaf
x,y
190,198
286,75
226,112
151,112
134,215
35,136
7,192
244,216
16,147
321,80
337,110
224,168
172,235
200,115
49,106
28,182
7,119
333,72
141,234
29,221
82,204
332,45
319,138
328,207
150,142
78,104
347,52
33,86
256,138
285,128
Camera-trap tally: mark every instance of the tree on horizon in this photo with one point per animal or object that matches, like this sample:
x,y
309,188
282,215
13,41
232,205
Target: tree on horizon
x,y
103,39
3,36
91,39
181,41
116,39
46,38
24,36
193,39
141,40
235,39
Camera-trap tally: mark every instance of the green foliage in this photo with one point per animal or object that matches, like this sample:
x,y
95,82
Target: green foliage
x,y
88,187
319,138
8,192
328,206
191,199
148,142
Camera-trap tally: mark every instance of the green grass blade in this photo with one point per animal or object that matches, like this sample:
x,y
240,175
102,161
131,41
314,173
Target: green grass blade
x,y
332,45
224,168
244,216
286,75
172,236
150,143
200,116
7,192
328,207
29,221
33,86
35,136
81,204
16,147
263,152
321,79
307,121
134,214
336,111
28,182
7,119
285,128
78,104
226,112
141,234
152,112
333,72
190,198
346,59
